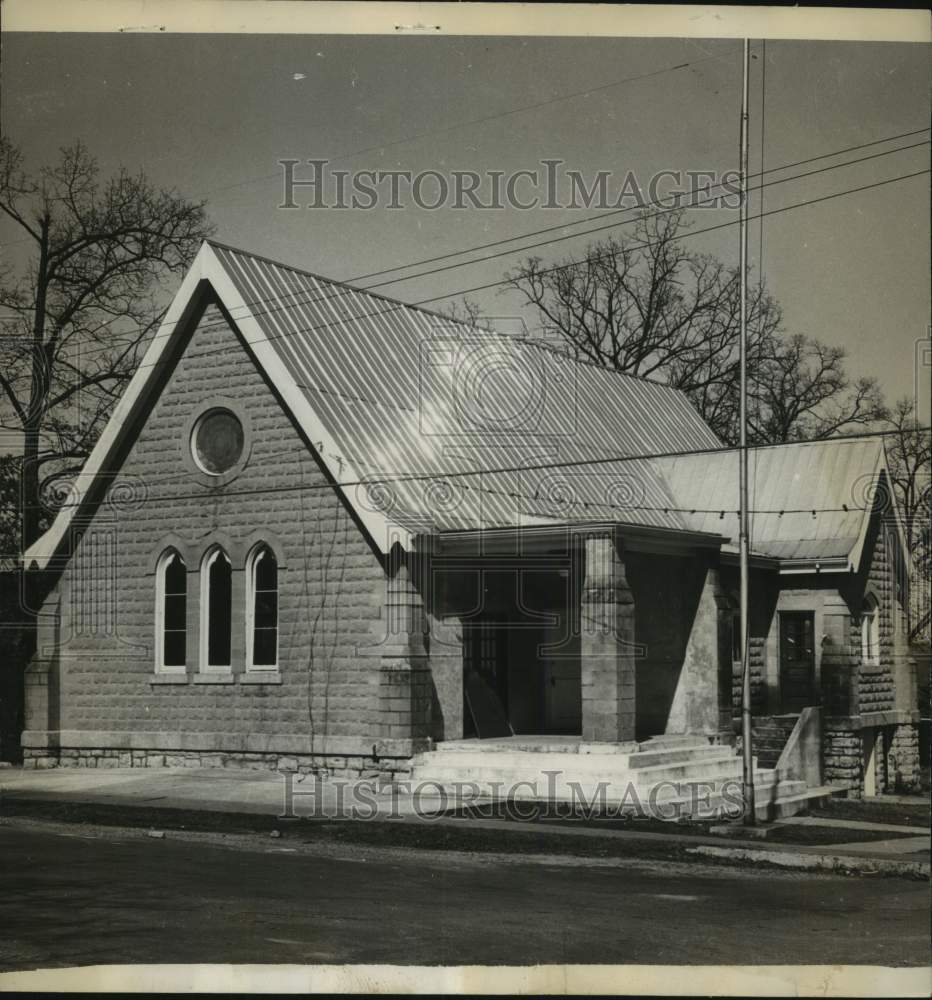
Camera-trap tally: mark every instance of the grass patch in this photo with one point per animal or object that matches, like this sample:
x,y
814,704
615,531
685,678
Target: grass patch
x,y
876,811
814,836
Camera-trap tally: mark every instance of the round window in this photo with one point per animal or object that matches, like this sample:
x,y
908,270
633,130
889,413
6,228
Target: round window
x,y
217,441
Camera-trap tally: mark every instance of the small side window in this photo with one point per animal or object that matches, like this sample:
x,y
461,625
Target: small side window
x,y
262,610
216,610
870,630
171,626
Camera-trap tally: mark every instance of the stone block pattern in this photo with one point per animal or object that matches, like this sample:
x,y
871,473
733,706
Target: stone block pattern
x,y
875,680
331,582
757,657
903,759
349,765
896,757
841,758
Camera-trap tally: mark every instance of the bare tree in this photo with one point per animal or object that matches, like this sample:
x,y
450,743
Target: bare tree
x,y
465,311
800,390
909,457
644,304
84,300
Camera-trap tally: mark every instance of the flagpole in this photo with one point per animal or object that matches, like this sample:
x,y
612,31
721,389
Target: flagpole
x,y
750,815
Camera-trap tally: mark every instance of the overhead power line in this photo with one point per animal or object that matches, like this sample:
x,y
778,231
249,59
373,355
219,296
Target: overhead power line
x,y
344,288
649,215
620,211
338,290
404,140
699,232
382,479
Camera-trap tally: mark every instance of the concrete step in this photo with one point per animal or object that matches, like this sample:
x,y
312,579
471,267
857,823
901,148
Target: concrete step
x,y
791,800
467,758
563,786
533,744
702,769
515,767
659,771
675,755
668,742
702,802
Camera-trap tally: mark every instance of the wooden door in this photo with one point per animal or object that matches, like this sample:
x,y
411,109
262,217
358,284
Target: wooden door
x,y
797,660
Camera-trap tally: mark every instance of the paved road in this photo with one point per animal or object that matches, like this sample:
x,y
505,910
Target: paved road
x,y
78,899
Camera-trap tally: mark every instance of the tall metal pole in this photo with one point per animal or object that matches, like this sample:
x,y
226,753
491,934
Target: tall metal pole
x,y
748,756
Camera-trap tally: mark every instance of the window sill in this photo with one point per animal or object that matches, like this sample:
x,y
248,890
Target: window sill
x,y
217,678
260,677
167,678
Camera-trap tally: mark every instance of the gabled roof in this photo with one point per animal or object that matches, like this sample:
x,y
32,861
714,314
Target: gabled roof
x,y
399,397
429,425
811,502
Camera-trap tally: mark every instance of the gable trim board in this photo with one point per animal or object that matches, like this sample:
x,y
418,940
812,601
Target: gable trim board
x,y
205,268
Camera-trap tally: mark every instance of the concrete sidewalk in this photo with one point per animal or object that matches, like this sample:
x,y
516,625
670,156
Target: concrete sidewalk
x,y
266,793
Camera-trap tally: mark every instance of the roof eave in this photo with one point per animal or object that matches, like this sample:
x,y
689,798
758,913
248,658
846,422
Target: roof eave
x,y
206,267
832,564
646,533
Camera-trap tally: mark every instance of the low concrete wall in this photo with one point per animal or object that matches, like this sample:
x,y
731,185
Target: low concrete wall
x,y
801,758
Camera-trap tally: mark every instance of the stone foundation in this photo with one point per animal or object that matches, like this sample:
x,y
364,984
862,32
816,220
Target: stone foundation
x,y
903,759
324,765
841,758
895,750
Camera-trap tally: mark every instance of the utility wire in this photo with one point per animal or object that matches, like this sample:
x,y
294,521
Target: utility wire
x,y
486,118
693,232
649,204
381,479
665,209
460,125
341,290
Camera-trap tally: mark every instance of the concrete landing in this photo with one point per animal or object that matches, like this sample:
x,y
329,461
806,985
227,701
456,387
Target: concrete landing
x,y
682,776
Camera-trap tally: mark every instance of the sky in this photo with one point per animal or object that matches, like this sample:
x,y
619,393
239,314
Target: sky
x,y
213,115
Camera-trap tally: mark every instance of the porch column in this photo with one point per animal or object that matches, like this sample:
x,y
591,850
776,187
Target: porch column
x,y
700,705
840,658
607,650
445,650
41,688
405,684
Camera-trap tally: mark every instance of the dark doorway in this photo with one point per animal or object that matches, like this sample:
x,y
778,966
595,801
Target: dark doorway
x,y
518,679
485,680
797,660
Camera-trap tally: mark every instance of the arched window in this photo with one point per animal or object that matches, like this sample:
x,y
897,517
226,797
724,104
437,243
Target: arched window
x,y
216,610
262,609
171,619
870,630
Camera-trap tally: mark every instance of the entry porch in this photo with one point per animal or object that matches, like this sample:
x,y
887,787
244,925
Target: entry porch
x,y
607,634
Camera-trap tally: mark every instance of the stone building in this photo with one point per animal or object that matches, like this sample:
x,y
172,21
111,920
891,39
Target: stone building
x,y
326,530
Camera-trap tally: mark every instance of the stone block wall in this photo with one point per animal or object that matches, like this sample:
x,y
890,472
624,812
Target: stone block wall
x,y
607,645
846,745
841,757
876,686
332,588
324,765
903,761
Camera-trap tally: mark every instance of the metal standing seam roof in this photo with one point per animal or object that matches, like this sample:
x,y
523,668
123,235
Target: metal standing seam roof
x,y
441,421
408,393
821,476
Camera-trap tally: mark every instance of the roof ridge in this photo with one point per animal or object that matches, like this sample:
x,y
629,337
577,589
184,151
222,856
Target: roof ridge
x,y
531,341
337,282
734,449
